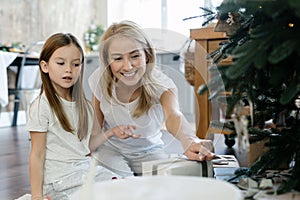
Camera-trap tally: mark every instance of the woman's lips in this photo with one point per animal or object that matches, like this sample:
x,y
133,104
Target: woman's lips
x,y
129,74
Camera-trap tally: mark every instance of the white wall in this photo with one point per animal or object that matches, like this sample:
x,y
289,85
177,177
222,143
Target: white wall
x,y
27,21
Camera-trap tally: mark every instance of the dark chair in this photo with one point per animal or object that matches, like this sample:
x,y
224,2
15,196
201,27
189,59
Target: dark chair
x,y
21,93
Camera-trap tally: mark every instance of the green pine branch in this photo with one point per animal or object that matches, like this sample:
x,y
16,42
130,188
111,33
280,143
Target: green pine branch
x,y
265,71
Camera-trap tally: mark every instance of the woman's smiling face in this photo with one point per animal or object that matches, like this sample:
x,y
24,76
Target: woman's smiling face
x,y
127,60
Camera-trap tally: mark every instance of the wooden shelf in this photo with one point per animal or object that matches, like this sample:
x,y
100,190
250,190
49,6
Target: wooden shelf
x,y
207,41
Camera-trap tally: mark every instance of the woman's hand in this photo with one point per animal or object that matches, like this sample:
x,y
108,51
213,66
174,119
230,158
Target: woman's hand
x,y
201,150
125,131
122,132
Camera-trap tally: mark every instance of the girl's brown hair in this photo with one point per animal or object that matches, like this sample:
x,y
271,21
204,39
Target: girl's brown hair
x,y
54,42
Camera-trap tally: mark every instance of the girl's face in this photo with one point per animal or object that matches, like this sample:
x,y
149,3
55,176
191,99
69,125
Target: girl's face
x,y
127,60
64,68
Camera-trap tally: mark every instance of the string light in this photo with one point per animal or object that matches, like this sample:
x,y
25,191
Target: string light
x,y
291,25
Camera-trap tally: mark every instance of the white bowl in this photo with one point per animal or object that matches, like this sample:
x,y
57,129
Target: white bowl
x,y
161,188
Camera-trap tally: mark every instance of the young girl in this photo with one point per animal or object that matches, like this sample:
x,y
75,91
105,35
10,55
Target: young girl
x,y
59,122
132,100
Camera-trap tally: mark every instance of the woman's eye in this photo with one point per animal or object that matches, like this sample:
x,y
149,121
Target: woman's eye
x,y
117,58
60,63
135,56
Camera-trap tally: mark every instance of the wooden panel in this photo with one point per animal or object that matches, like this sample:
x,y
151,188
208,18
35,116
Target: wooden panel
x,y
207,33
213,45
201,103
206,41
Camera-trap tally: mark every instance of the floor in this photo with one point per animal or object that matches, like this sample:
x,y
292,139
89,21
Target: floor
x,y
14,155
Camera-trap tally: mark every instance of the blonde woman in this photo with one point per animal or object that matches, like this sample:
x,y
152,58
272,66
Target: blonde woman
x,y
132,100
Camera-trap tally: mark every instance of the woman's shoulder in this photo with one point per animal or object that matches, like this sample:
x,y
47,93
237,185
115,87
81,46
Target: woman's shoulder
x,y
163,79
94,82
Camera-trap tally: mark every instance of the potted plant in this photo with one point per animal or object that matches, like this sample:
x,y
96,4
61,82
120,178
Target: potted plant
x,y
91,37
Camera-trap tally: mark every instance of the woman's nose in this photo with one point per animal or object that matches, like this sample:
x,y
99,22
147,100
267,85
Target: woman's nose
x,y
127,64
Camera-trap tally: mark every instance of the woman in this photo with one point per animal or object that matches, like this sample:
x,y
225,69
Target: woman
x,y
132,101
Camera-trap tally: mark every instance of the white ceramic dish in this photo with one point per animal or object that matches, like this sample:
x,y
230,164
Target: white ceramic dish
x,y
161,188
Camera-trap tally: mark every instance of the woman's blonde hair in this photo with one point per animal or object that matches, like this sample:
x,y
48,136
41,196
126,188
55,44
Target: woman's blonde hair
x,y
54,42
149,86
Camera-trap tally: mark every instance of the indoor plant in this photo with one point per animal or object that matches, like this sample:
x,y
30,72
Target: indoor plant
x,y
91,37
265,73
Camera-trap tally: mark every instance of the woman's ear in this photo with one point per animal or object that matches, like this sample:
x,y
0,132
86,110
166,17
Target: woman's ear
x,y
44,66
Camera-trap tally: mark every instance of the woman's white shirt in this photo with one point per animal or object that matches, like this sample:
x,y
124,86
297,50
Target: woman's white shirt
x,y
116,113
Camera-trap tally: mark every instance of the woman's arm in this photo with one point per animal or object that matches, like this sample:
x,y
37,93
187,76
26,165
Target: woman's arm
x,y
36,163
180,128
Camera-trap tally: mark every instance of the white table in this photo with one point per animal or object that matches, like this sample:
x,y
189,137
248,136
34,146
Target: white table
x,y
17,62
6,58
160,188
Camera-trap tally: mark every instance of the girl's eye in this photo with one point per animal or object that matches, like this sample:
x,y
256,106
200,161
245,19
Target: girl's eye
x,y
76,64
60,63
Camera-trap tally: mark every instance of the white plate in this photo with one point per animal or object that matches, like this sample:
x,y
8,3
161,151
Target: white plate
x,y
161,188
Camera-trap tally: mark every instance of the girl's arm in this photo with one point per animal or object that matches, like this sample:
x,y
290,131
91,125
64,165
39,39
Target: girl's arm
x,y
180,128
98,112
36,163
98,137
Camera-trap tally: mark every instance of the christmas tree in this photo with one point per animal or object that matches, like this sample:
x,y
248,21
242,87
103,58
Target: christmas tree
x,y
265,74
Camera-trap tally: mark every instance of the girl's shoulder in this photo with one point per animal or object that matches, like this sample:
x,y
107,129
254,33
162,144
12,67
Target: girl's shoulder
x,y
40,101
39,108
40,98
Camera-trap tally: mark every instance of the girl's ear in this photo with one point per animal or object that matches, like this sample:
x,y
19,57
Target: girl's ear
x,y
44,66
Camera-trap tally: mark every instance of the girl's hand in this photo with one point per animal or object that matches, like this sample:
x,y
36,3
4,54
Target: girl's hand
x,y
48,198
40,198
125,131
200,151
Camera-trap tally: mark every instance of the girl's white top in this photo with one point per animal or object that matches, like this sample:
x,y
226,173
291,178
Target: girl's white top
x,y
65,153
117,113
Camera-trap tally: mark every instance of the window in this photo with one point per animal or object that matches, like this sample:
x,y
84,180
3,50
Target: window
x,y
163,15
144,12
